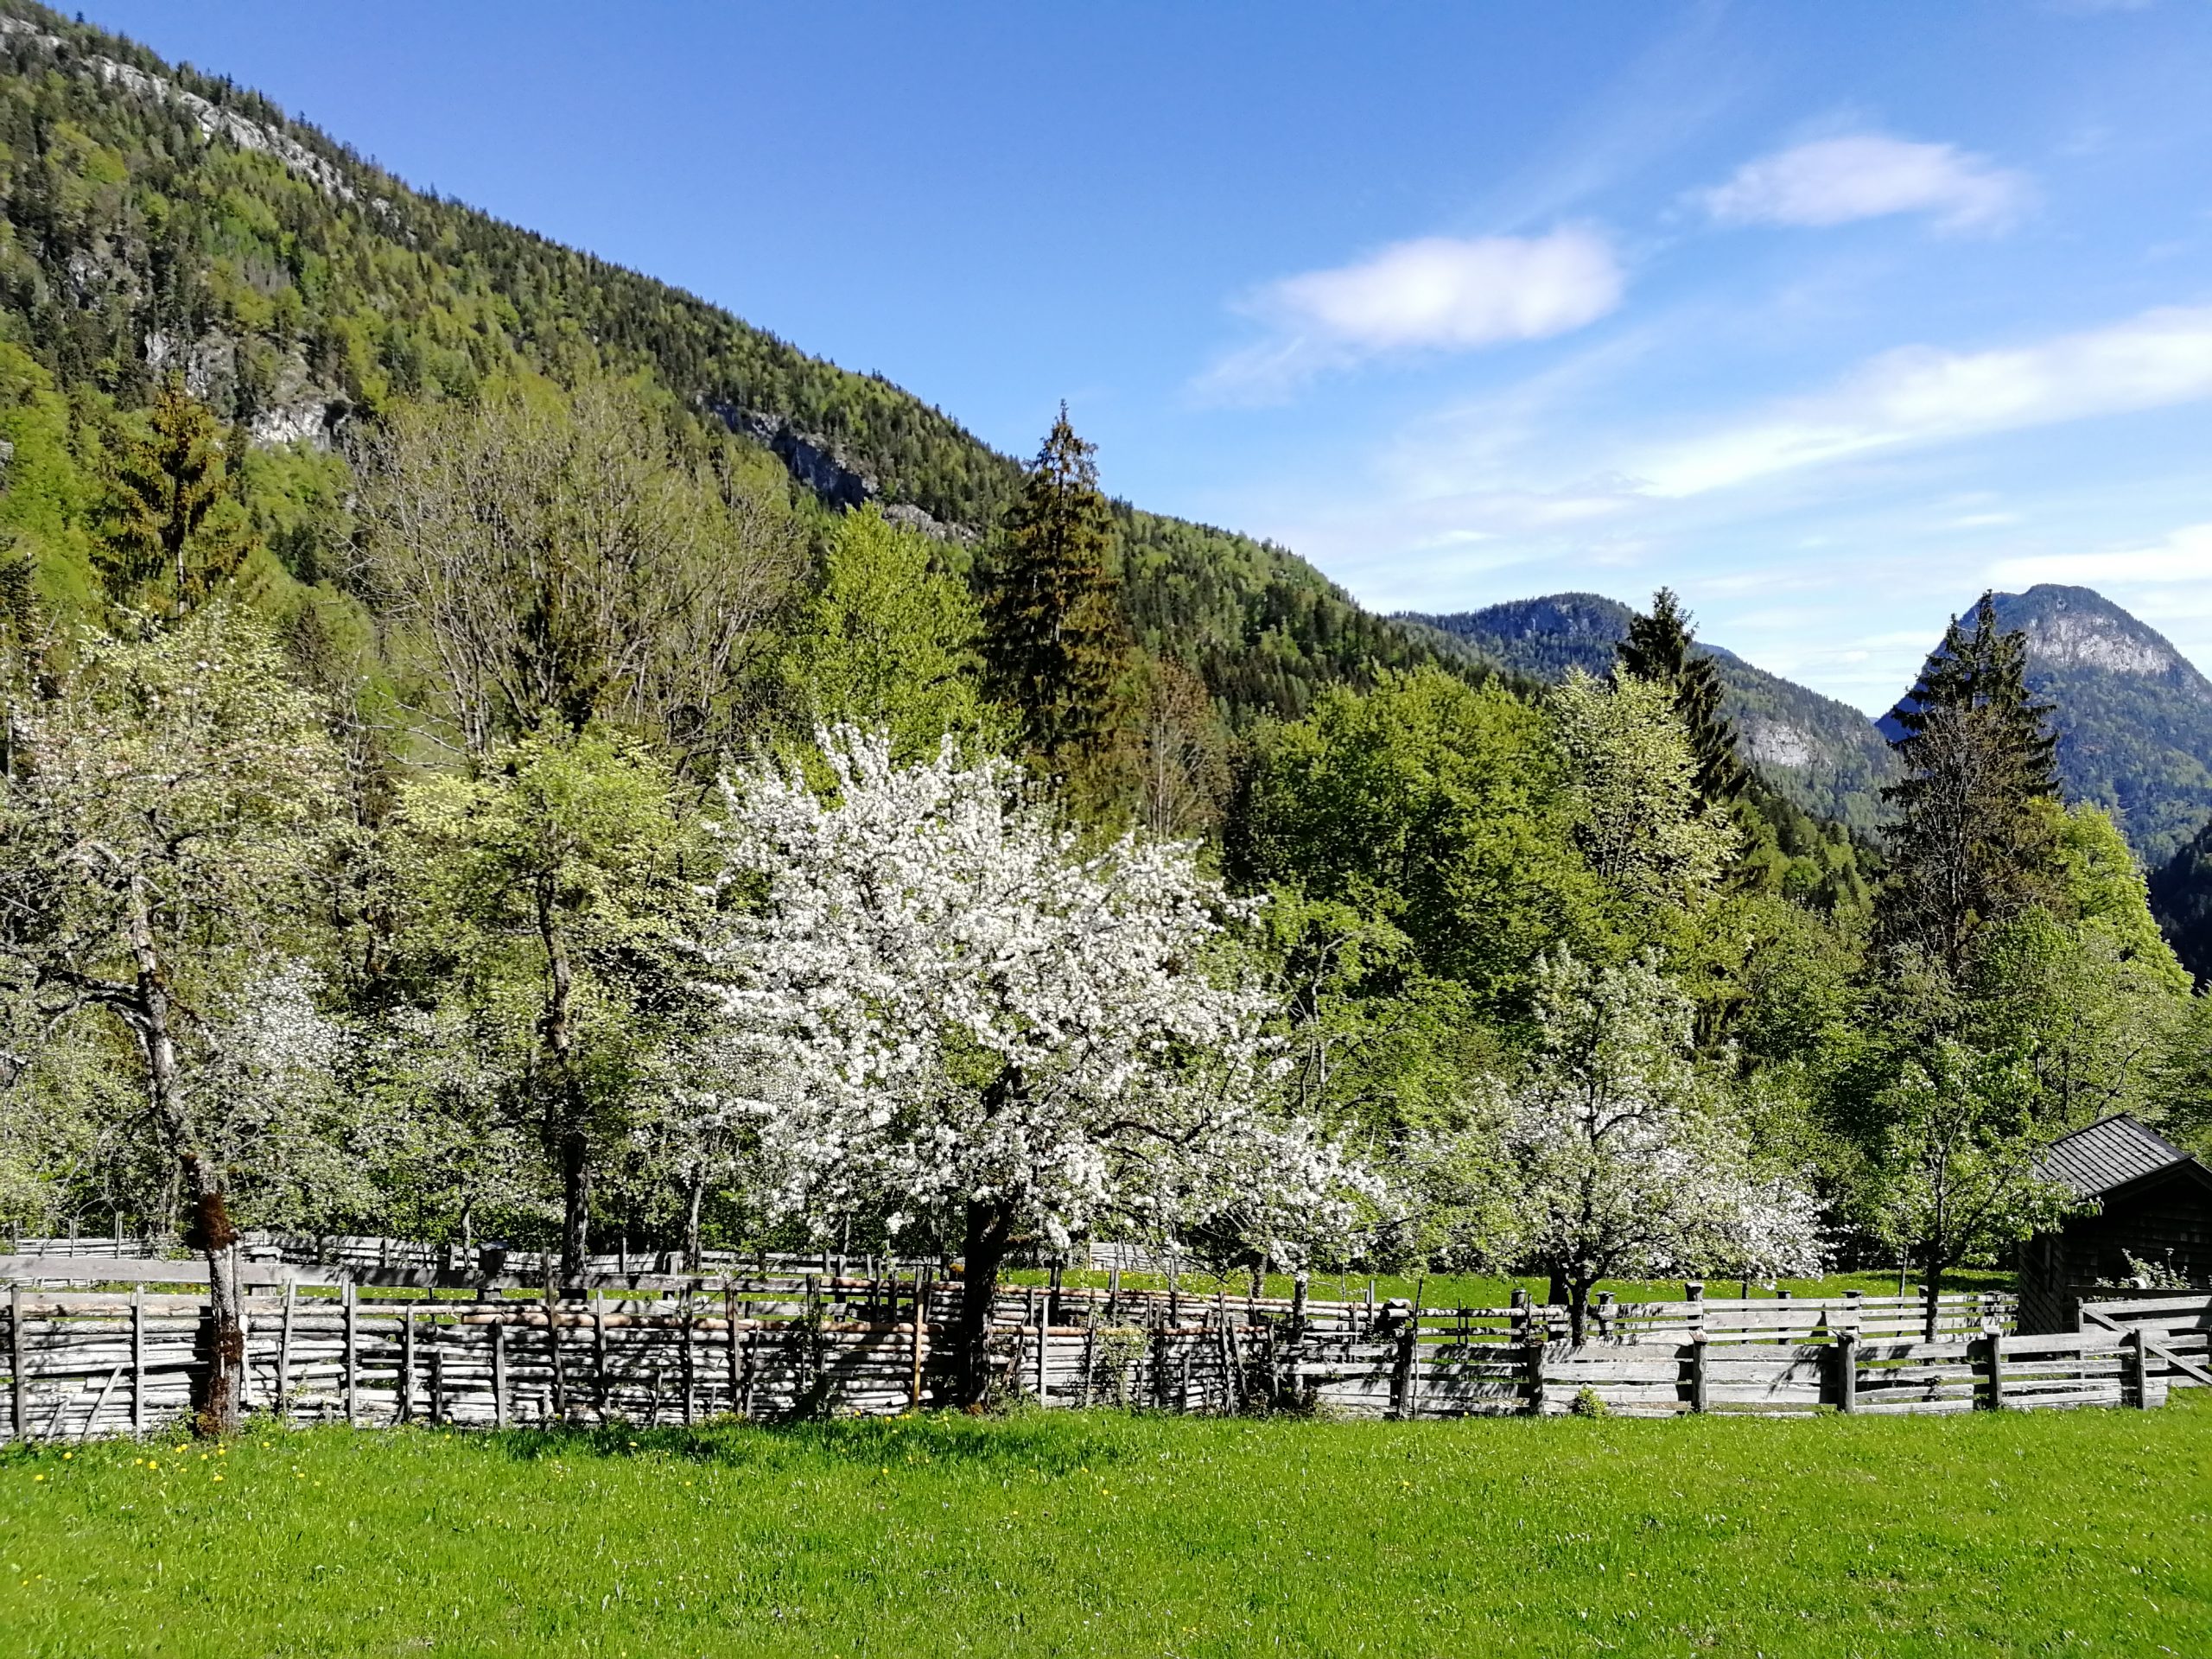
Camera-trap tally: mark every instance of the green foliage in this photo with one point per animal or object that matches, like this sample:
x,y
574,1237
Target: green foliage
x,y
175,530
1821,756
1052,628
1972,843
1644,824
2181,897
889,638
1657,647
1444,810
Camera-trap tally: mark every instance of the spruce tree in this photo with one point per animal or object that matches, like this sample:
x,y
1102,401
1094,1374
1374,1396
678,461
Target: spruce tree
x,y
174,526
1052,629
1971,842
1658,648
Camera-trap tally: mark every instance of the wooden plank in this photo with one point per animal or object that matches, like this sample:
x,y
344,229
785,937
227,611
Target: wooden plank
x,y
138,1359
18,1418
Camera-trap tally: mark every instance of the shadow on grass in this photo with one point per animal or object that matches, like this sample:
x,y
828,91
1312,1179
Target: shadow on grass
x,y
1031,1441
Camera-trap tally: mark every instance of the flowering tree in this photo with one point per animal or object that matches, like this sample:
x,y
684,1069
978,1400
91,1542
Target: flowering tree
x,y
168,796
1622,1166
955,1014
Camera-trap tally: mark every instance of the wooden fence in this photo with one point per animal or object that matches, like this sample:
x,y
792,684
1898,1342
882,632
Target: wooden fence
x,y
783,1345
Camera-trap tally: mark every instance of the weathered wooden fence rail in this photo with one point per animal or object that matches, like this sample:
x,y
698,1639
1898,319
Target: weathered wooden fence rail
x,y
779,1345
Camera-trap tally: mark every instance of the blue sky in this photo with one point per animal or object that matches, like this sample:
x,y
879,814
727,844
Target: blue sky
x,y
1826,316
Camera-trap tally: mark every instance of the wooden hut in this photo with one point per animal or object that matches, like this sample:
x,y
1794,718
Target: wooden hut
x,y
2150,1200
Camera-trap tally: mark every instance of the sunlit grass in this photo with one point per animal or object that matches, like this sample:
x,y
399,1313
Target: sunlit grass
x,y
2018,1533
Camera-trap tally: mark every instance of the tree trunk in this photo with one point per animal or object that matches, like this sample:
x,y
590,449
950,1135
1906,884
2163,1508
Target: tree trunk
x,y
218,1384
1578,1309
218,1397
692,1202
566,1104
1557,1293
1931,1293
990,1228
575,1205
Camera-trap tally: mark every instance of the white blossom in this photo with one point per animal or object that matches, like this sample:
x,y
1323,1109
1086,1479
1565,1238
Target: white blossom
x,y
940,999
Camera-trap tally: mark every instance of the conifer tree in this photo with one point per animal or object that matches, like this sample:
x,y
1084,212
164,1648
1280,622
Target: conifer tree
x,y
1053,632
1971,842
175,525
1658,648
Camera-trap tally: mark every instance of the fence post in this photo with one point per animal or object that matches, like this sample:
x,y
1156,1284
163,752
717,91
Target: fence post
x,y
1605,1314
1401,1381
553,1356
690,1372
1846,1370
437,1373
284,1355
1993,1359
599,1355
1090,1354
1536,1336
138,1359
729,1330
18,1419
352,1353
499,1374
1052,1297
407,1364
1113,1290
921,1325
2138,1368
1931,1311
1700,1394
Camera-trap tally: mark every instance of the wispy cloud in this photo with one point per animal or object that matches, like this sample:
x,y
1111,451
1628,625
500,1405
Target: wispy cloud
x,y
1918,395
1433,294
2185,557
1869,175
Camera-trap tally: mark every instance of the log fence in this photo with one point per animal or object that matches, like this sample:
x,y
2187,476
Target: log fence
x,y
647,1350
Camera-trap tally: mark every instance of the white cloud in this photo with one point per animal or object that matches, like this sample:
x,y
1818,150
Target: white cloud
x,y
1918,395
1869,175
1435,293
2185,556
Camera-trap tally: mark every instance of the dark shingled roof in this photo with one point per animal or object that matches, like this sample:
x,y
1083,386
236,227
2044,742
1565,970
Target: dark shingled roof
x,y
2110,1152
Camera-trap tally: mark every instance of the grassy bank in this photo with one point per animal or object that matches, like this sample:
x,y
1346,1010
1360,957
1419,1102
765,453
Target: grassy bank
x,y
2045,1533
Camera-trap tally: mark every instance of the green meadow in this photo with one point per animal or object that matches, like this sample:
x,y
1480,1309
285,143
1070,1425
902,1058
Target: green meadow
x,y
2054,1532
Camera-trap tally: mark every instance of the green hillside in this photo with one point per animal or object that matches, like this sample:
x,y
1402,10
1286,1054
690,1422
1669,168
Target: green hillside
x,y
1823,755
160,219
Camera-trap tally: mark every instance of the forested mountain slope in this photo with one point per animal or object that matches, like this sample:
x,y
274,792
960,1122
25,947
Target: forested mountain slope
x,y
157,219
1822,755
2181,897
2133,715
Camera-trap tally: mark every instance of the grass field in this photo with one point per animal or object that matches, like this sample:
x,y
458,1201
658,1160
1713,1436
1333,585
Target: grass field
x,y
2056,1532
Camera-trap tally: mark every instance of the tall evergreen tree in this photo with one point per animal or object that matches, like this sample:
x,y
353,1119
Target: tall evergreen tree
x,y
1052,628
1657,648
1971,842
175,528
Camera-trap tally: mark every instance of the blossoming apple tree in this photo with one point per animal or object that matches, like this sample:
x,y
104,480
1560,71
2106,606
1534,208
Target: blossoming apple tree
x,y
950,1009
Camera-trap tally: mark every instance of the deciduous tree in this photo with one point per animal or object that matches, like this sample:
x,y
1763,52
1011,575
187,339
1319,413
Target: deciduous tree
x,y
169,798
954,1014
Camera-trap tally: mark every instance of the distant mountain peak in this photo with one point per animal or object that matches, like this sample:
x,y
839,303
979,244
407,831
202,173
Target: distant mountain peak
x,y
2079,627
